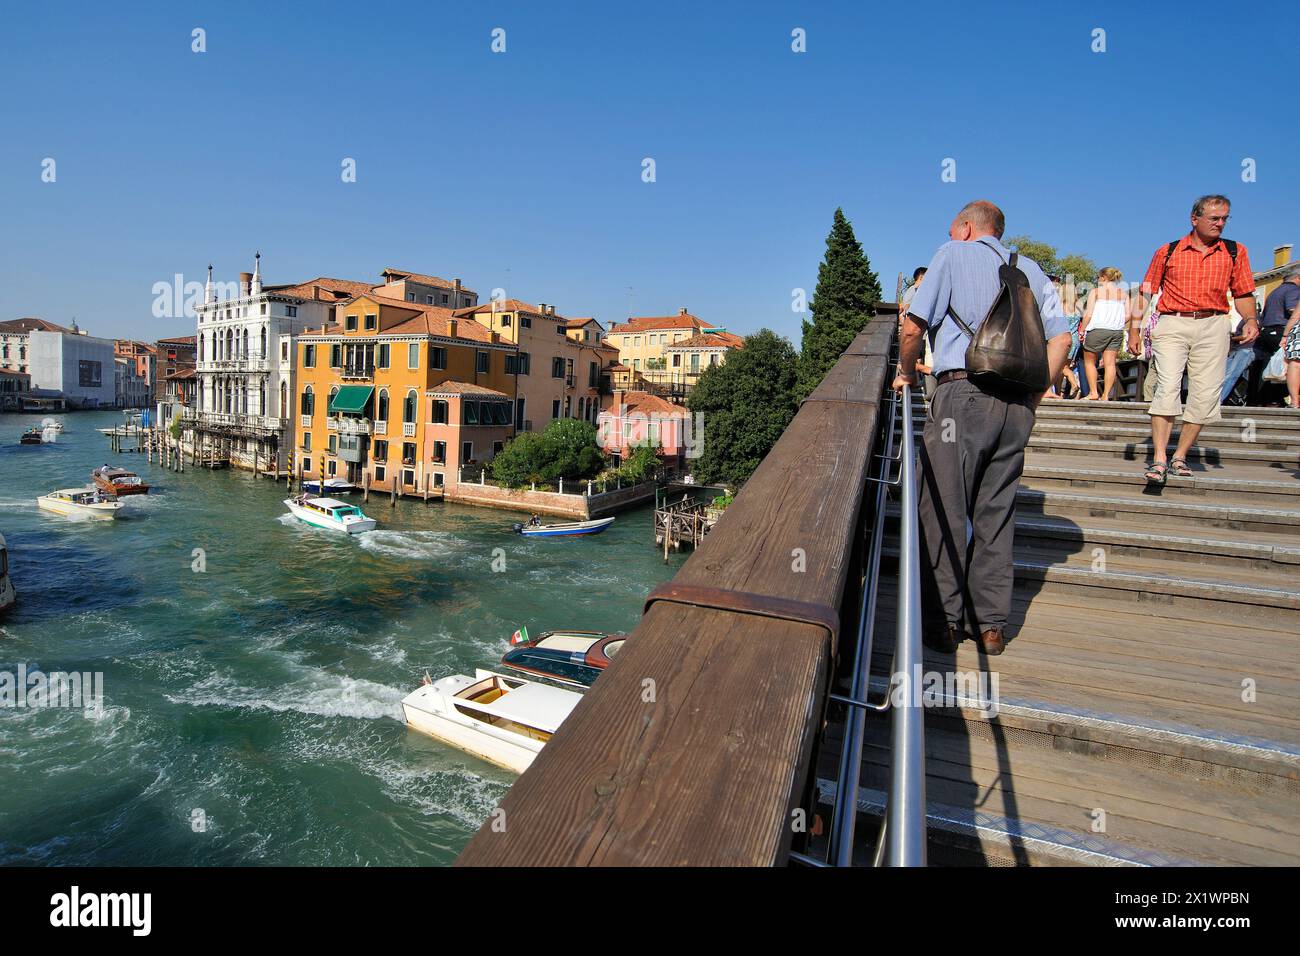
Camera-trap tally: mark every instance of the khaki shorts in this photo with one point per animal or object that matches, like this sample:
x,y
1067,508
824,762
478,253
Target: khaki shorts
x,y
1199,346
1103,340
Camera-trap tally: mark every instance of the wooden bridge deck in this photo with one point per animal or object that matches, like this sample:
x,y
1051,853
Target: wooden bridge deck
x,y
1149,699
1148,703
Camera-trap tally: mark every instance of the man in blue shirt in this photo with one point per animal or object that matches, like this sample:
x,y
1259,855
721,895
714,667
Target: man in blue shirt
x,y
1281,302
974,445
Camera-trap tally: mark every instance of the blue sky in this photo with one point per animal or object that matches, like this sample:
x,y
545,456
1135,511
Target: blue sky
x,y
523,170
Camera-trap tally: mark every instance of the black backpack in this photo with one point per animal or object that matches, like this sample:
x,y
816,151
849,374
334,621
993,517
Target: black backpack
x,y
1009,349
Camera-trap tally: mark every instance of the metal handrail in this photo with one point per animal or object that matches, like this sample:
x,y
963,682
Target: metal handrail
x,y
902,838
845,813
905,820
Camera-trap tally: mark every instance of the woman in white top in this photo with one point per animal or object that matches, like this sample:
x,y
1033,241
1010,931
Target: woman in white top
x,y
1102,330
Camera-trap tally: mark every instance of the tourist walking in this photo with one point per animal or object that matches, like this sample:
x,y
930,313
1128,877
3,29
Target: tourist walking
x,y
973,448
1291,355
1102,331
1194,276
1278,309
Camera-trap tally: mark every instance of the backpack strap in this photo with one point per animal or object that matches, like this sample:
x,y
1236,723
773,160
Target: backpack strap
x,y
957,318
1231,246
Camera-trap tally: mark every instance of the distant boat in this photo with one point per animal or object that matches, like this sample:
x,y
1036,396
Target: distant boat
x,y
119,482
52,423
79,501
33,436
570,657
330,513
594,526
332,486
504,720
8,596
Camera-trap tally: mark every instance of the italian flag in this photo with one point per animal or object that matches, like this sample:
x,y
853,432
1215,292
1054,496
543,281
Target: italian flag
x,y
520,636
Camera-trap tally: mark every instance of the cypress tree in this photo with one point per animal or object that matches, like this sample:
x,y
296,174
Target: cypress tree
x,y
843,302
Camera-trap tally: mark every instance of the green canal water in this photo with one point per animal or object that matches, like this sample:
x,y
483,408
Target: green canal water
x,y
251,710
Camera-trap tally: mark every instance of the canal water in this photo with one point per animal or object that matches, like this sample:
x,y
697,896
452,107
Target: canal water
x,y
253,666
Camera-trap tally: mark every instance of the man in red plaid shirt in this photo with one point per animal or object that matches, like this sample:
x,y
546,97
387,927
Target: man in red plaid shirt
x,y
1195,276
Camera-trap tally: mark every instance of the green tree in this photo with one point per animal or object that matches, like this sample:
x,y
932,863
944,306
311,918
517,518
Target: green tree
x,y
1080,268
641,464
566,449
746,403
842,303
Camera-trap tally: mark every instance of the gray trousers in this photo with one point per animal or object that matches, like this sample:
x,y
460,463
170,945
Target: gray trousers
x,y
971,458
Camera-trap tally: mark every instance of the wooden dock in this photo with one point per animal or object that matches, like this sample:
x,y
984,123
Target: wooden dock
x,y
1147,708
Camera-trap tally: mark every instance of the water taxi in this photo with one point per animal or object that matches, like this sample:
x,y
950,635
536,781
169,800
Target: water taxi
x,y
33,436
504,720
330,513
333,486
72,502
8,596
539,530
53,424
118,482
570,657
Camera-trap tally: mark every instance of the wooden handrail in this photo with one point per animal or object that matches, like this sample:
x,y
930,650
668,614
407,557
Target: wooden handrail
x,y
693,748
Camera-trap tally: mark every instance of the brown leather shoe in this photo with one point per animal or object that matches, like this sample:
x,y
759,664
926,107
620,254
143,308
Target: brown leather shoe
x,y
992,642
944,641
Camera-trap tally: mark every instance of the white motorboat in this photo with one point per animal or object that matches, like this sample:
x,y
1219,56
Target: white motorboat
x,y
504,720
79,502
53,424
566,529
330,513
7,594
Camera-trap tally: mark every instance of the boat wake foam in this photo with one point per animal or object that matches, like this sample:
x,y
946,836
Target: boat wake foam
x,y
318,694
413,545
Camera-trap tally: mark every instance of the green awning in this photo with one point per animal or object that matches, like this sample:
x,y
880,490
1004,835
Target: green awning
x,y
351,399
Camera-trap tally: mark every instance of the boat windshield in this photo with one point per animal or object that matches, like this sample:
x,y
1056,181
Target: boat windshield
x,y
347,510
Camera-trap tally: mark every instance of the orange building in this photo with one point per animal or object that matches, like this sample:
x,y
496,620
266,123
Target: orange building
x,y
561,361
375,395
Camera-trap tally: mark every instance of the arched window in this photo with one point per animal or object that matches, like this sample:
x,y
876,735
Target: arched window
x,y
283,410
333,391
244,347
308,402
381,407
261,399
263,352
201,340
408,408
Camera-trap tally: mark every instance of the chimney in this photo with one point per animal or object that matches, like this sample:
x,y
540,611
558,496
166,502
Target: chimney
x,y
541,306
451,328
315,292
1281,255
245,283
455,285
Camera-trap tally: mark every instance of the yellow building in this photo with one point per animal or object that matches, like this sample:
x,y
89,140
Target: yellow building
x,y
641,340
1270,279
373,390
561,361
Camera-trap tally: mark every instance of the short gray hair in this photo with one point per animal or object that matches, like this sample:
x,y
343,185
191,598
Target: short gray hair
x,y
1198,207
985,215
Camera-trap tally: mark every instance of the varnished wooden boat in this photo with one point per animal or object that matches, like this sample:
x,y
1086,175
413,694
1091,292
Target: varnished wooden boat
x,y
119,482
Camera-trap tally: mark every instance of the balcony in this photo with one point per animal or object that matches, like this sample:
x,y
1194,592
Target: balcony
x,y
408,429
305,421
332,424
380,428
358,372
353,426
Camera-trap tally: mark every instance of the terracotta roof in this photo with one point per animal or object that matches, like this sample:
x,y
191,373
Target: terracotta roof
x,y
31,325
464,388
330,290
645,403
512,305
619,367
705,340
179,340
397,275
644,323
186,372
579,323
428,320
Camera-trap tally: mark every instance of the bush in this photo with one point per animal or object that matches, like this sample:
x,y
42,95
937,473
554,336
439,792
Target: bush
x,y
566,449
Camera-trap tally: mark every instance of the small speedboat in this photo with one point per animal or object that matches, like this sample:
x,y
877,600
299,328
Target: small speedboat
x,y
118,482
330,513
33,436
594,526
53,424
504,720
570,657
71,502
333,486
